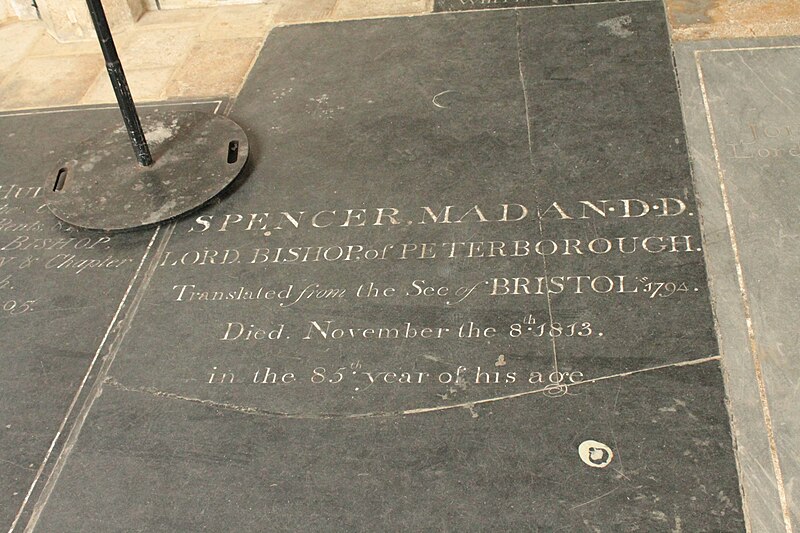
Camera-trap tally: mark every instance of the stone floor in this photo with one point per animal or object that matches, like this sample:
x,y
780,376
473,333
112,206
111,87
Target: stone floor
x,y
178,53
205,52
736,63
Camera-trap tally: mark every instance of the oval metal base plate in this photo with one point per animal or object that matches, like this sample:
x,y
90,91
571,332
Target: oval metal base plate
x,y
195,156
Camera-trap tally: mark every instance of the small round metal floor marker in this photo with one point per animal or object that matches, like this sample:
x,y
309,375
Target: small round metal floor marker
x,y
195,156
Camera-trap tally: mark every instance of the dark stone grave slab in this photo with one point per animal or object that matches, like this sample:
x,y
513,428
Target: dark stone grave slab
x,y
60,291
471,5
461,287
742,109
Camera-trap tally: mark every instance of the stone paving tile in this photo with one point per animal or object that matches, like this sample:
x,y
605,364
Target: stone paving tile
x,y
307,11
240,22
729,19
145,84
17,39
48,46
49,81
155,48
178,17
379,8
440,6
167,5
216,67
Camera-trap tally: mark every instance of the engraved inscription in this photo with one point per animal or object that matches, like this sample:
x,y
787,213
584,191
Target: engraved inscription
x,y
291,329
32,242
766,141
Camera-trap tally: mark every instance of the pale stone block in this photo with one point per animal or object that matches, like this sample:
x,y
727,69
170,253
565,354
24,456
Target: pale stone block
x,y
292,11
174,17
49,81
240,22
145,85
69,20
48,46
156,47
379,8
17,38
214,68
22,9
183,4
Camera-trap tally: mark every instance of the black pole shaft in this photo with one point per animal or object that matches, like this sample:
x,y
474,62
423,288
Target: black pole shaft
x,y
120,84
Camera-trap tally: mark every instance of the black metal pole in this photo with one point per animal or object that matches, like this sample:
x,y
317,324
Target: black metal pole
x,y
120,84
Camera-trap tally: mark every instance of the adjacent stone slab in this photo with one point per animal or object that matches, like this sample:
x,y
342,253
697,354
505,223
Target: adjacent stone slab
x,y
460,287
60,291
741,108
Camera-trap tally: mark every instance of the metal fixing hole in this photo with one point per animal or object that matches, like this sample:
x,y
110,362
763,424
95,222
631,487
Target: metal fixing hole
x,y
595,454
61,177
233,151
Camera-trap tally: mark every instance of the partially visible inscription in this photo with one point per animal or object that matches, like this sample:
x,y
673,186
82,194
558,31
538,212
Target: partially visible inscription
x,y
31,240
770,141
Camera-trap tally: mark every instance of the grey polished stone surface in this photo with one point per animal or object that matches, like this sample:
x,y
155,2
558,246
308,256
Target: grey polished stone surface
x,y
332,347
149,464
60,290
741,109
